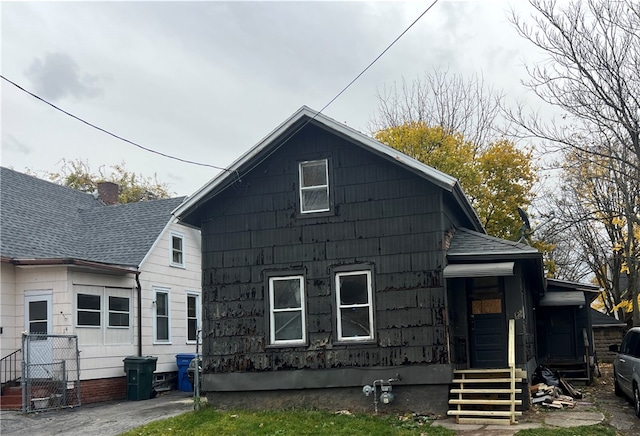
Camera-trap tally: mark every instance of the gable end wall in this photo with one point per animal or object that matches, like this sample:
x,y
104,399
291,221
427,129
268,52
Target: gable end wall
x,y
383,216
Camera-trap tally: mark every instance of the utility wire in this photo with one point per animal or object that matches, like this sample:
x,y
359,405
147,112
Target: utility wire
x,y
214,166
343,89
109,133
378,57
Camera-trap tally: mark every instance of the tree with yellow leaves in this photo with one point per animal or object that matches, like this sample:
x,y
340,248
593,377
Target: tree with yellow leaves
x,y
497,178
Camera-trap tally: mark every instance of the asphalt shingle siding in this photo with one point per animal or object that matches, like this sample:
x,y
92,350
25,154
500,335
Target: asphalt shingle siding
x,y
42,220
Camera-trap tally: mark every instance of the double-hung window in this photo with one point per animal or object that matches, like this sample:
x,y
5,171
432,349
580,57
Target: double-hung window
x,y
161,316
287,310
89,310
177,250
118,311
193,316
314,186
354,306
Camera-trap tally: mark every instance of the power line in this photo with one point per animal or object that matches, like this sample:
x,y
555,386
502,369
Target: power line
x,y
109,133
378,57
345,88
214,166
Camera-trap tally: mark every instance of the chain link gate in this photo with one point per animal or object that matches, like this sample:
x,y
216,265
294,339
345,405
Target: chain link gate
x,y
51,372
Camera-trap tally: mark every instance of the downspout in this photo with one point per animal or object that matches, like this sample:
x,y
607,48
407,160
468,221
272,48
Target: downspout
x,y
139,296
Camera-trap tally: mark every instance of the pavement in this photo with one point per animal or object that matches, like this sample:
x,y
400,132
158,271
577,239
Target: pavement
x,y
557,419
100,419
598,405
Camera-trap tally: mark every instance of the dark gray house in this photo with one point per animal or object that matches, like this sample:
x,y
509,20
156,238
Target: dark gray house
x,y
565,335
332,262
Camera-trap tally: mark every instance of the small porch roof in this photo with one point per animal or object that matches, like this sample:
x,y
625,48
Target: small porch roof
x,y
492,269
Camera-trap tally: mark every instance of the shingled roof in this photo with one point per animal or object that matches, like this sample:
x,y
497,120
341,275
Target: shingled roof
x,y
467,243
599,319
44,221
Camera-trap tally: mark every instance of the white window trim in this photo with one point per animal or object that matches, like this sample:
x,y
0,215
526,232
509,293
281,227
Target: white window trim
x,y
198,297
339,307
108,312
326,186
156,291
76,309
179,235
272,312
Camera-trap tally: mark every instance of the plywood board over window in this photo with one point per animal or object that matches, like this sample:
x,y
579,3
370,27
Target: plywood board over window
x,y
493,305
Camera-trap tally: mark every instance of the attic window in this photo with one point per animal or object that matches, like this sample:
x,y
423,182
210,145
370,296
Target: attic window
x,y
314,186
177,250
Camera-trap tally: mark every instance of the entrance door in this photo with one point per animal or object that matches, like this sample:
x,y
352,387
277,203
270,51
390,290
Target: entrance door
x,y
38,320
561,333
487,322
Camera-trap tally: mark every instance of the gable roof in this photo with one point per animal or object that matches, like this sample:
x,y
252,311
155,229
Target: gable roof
x,y
187,211
466,243
42,221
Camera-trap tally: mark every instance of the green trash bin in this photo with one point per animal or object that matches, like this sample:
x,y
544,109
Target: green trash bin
x,y
139,371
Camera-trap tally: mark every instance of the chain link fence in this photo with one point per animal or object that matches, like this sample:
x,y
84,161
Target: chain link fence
x,y
51,372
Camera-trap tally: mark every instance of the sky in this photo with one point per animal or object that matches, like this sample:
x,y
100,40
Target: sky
x,y
205,81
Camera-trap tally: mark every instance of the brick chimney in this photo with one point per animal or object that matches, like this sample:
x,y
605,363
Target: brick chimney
x,y
108,193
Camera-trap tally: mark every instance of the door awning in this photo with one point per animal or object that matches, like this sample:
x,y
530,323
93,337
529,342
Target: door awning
x,y
575,298
478,270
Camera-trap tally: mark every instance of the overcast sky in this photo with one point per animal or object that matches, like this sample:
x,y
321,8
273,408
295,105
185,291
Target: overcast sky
x,y
205,81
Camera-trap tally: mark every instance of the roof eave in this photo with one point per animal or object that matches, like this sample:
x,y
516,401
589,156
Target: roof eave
x,y
70,261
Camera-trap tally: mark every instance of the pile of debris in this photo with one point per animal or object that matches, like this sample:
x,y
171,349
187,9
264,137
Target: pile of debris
x,y
552,390
550,397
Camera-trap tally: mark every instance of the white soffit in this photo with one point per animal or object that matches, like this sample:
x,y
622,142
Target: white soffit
x,y
478,270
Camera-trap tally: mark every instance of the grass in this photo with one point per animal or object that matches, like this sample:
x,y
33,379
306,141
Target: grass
x,y
288,422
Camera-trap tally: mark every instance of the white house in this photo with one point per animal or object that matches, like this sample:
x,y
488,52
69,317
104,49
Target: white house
x,y
124,278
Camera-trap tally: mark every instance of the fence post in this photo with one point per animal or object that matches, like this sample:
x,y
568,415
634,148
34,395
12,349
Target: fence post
x,y
23,379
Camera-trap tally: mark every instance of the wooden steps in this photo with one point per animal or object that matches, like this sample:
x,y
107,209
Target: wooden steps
x,y
486,396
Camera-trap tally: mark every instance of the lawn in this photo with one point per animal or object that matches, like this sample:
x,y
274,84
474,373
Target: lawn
x,y
209,421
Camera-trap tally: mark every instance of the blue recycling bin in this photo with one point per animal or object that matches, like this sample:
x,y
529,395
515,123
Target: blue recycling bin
x,y
183,360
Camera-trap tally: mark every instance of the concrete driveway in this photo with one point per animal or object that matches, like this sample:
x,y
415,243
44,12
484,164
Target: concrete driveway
x,y
102,419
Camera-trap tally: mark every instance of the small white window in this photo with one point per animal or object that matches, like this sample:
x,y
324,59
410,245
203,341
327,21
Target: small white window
x,y
286,307
119,308
193,316
177,250
162,320
89,308
354,303
314,186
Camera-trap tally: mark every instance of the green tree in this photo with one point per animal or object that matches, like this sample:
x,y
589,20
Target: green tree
x,y
77,174
498,178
